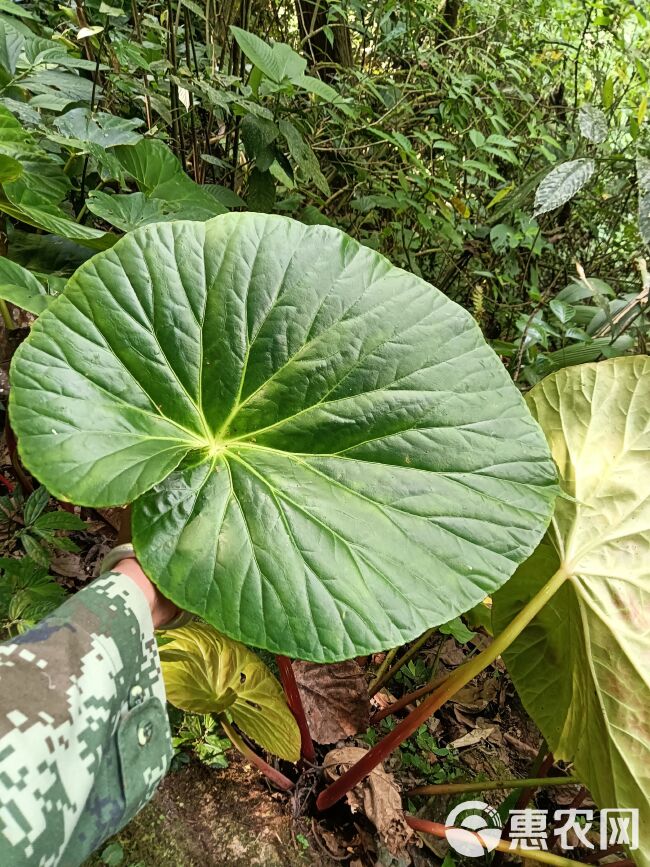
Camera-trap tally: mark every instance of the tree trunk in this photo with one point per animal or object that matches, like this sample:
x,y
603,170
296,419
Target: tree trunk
x,y
312,19
449,20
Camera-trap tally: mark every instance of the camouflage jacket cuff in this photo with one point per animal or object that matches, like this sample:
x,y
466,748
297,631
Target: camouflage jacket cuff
x,y
84,737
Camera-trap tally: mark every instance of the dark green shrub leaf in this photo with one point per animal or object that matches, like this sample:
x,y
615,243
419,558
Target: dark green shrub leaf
x,y
326,457
261,191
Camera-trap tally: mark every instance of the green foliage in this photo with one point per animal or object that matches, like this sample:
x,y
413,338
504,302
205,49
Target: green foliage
x,y
488,148
429,147
200,735
27,594
577,666
38,531
306,386
421,754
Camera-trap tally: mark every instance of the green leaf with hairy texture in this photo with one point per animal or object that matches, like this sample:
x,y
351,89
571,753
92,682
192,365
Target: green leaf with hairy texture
x,y
98,128
643,184
206,672
33,301
159,175
561,184
279,62
581,667
325,456
11,46
128,211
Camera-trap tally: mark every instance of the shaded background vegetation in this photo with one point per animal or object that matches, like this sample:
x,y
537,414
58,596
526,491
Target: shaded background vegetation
x,y
422,128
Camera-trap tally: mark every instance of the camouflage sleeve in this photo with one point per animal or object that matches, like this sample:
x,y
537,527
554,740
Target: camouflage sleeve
x,y
84,736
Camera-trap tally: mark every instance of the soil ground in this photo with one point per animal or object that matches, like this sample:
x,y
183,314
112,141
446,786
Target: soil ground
x,y
202,817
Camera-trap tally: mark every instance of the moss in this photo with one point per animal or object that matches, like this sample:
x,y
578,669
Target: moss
x,y
150,840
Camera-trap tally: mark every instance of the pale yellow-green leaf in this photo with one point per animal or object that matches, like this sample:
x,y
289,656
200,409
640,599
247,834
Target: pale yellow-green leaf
x,y
207,672
582,667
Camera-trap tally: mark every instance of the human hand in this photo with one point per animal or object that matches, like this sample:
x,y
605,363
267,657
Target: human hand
x,y
162,610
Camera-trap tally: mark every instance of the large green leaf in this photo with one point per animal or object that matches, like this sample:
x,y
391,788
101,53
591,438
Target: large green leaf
x,y
98,128
328,457
206,672
10,169
279,62
582,666
128,211
11,46
19,286
53,219
159,175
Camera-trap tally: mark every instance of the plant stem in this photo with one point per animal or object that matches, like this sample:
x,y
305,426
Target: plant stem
x,y
6,315
278,779
539,857
408,699
294,701
458,679
490,785
373,688
401,662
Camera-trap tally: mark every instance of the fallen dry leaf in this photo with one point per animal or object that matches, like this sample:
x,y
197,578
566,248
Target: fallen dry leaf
x,y
475,698
377,797
474,737
335,699
69,565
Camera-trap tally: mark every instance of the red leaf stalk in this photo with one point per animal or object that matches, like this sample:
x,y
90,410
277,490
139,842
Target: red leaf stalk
x,y
294,701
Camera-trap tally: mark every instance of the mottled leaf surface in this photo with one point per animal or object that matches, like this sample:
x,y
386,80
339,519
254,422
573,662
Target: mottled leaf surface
x,y
562,183
593,123
326,457
582,668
